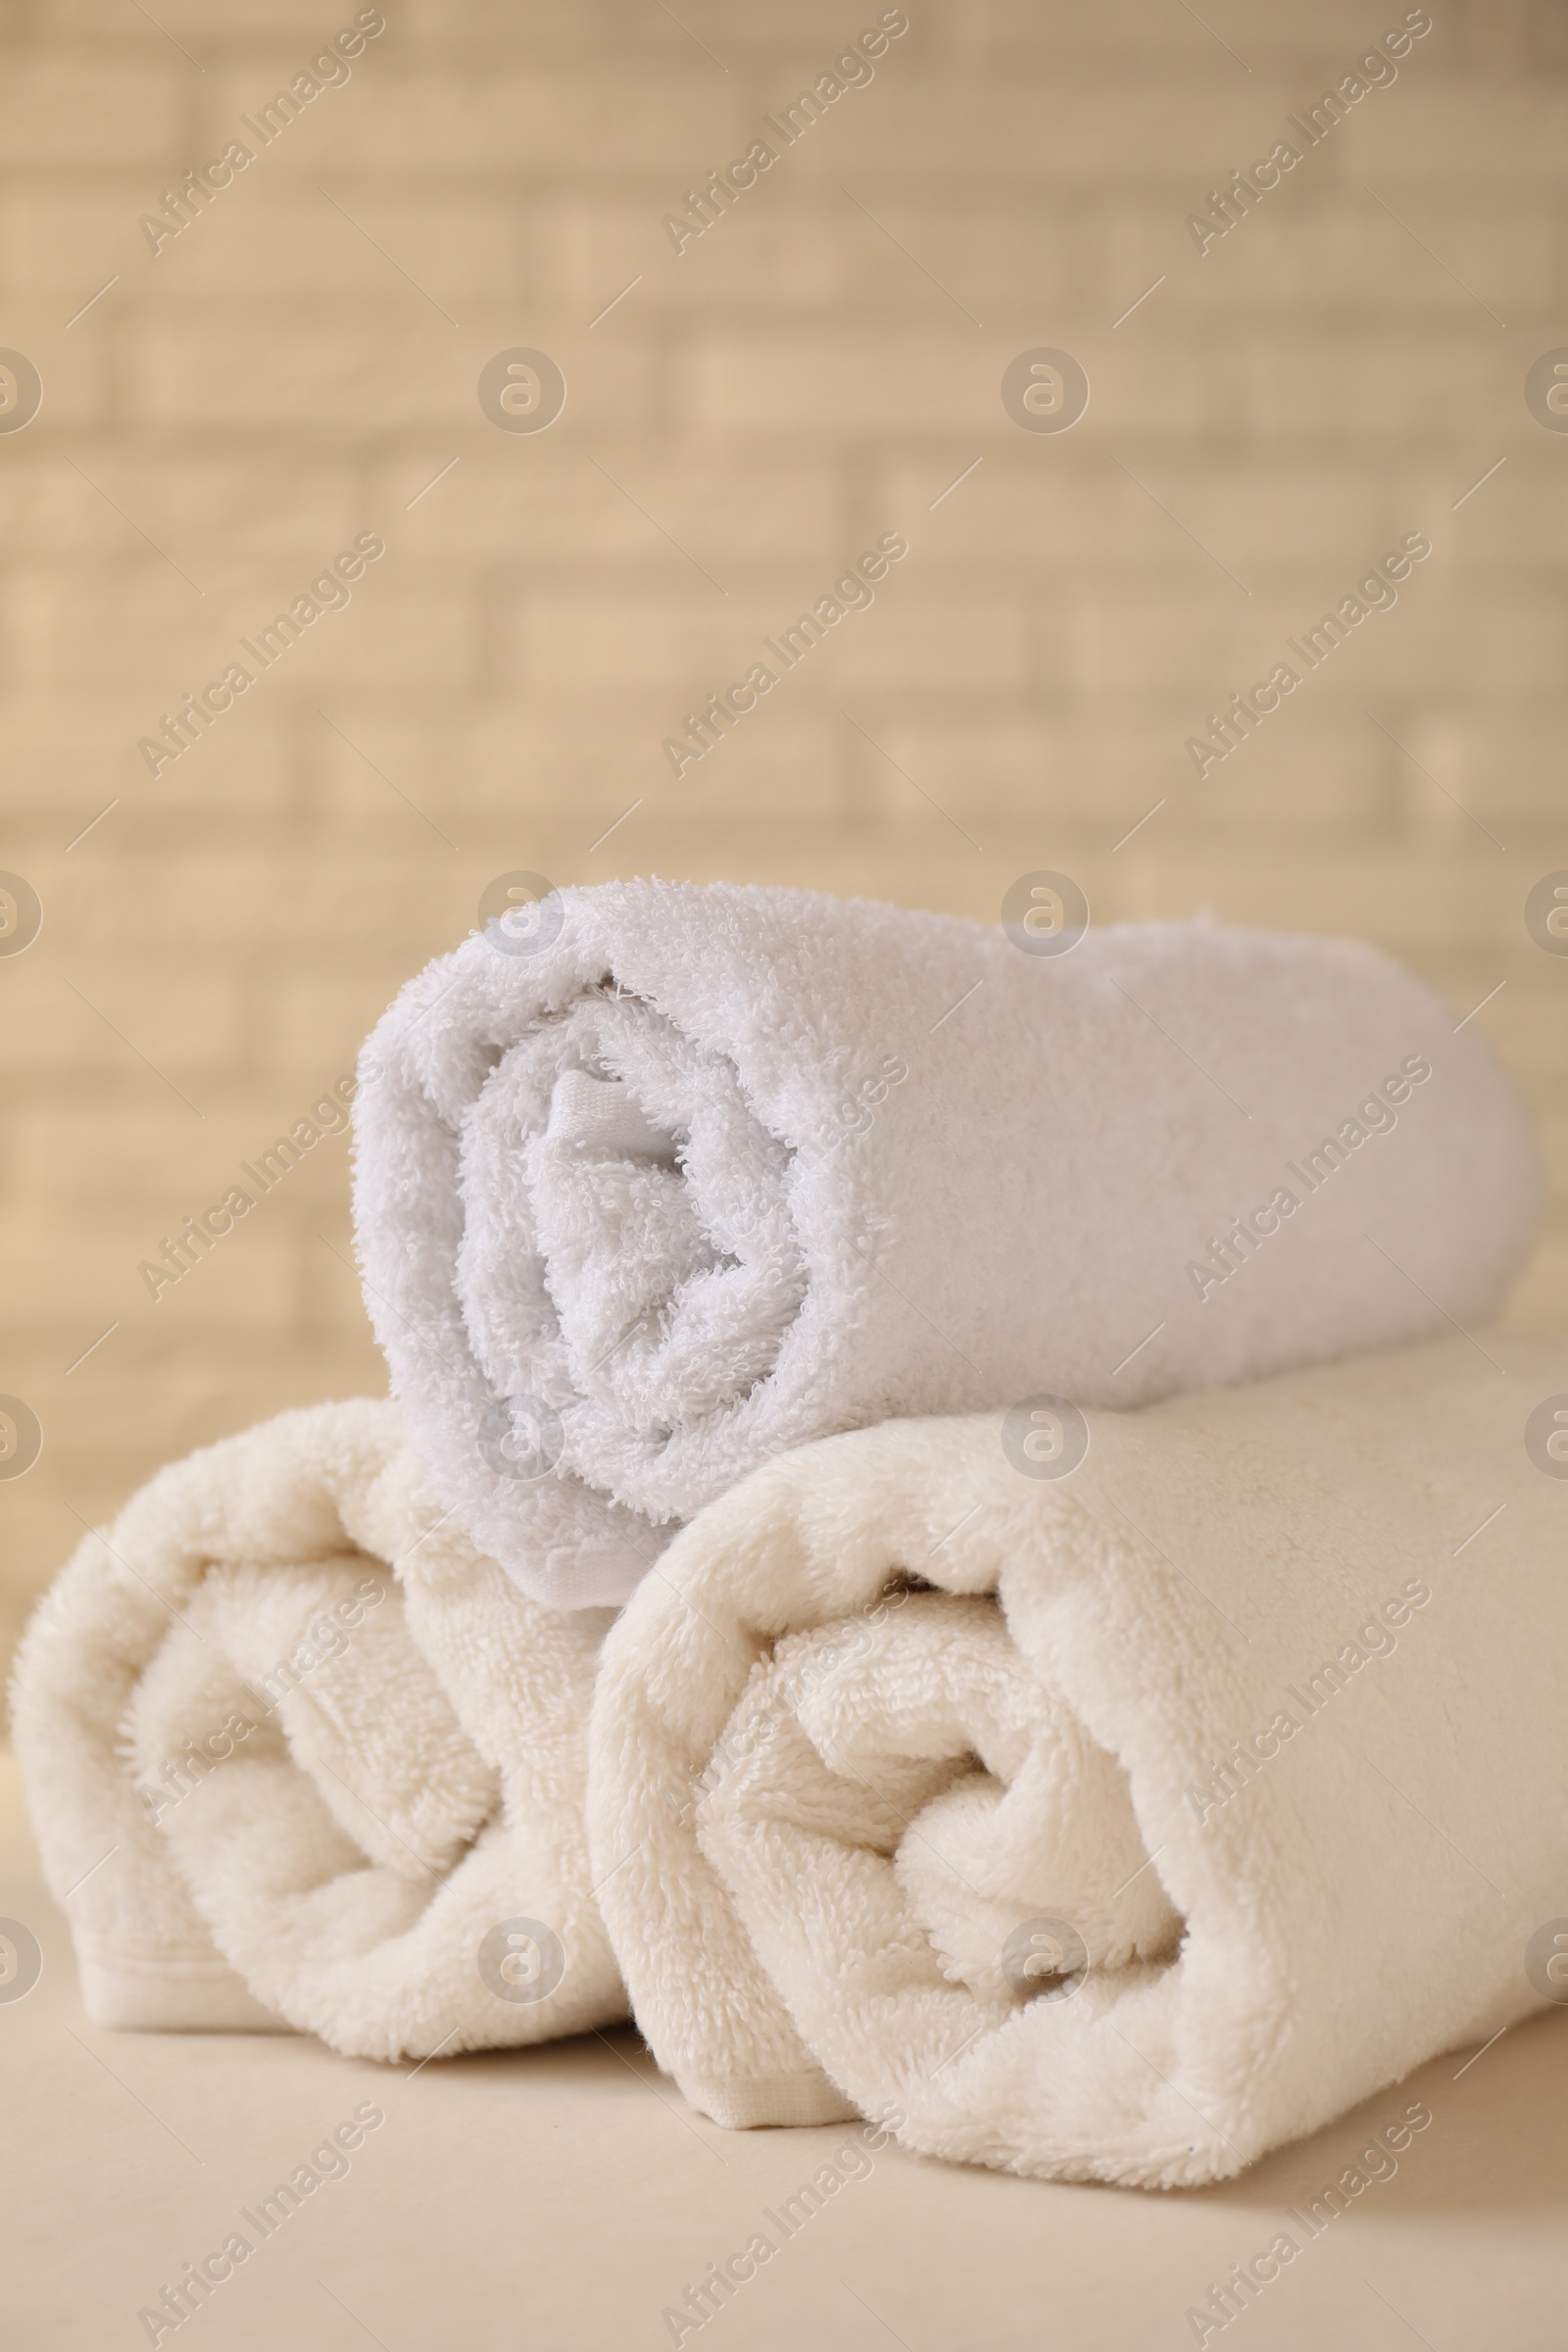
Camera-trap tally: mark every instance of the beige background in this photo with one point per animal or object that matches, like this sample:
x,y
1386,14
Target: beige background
x,y
301,361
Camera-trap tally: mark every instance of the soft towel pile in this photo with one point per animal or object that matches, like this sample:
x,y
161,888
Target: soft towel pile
x,y
1110,1779
295,1751
676,1177
1241,1798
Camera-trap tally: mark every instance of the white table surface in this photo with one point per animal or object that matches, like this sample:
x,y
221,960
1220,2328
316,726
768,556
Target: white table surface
x,y
559,2200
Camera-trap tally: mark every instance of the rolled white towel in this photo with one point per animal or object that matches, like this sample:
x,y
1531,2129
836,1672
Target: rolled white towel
x,y
299,1756
675,1177
1241,1798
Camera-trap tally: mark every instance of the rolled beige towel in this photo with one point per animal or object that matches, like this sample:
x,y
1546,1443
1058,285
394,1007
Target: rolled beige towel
x,y
1111,1814
298,1755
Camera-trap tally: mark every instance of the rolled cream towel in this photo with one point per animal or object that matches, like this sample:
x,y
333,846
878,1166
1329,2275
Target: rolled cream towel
x,y
656,1179
1120,1824
299,1756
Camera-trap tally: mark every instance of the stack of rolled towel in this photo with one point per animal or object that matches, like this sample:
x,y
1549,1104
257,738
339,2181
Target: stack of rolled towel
x,y
953,1535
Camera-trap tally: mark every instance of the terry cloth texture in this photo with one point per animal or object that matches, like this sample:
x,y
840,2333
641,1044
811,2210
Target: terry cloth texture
x,y
1208,1790
667,1179
298,1755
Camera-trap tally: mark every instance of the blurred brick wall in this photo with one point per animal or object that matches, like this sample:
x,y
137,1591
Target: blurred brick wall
x,y
296,366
